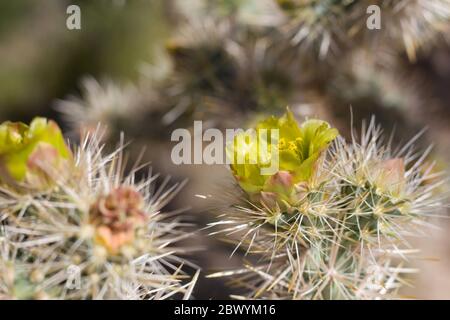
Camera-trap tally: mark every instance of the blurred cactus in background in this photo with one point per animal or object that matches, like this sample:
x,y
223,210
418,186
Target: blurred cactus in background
x,y
91,232
123,108
417,25
220,69
330,224
334,26
317,25
228,72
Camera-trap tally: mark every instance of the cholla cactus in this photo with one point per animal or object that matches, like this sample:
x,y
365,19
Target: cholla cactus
x,y
197,64
204,69
328,26
126,108
320,25
109,103
222,68
14,282
333,222
215,64
249,12
7,269
416,24
91,232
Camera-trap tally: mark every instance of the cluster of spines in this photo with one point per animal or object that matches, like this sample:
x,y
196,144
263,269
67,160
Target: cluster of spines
x,y
346,236
334,27
92,233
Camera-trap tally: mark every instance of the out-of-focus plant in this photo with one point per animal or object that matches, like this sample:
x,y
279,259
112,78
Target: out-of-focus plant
x,y
138,110
248,12
91,232
214,74
331,26
417,25
367,85
317,25
333,222
222,68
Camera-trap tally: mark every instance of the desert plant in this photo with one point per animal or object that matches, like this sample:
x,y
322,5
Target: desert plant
x,y
334,221
333,25
75,226
121,108
217,69
223,68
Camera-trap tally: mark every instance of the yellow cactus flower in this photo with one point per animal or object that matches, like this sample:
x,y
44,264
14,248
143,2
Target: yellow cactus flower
x,y
24,150
298,148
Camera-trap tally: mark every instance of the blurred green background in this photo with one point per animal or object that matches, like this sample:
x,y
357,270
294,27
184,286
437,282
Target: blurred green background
x,y
41,60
